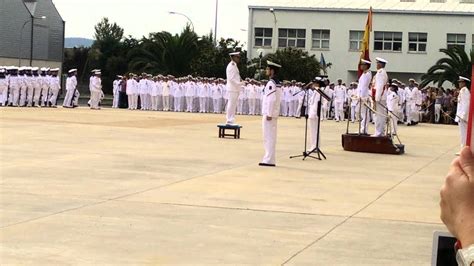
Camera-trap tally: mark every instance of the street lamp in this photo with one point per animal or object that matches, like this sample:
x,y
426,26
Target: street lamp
x,y
272,10
32,20
215,23
181,14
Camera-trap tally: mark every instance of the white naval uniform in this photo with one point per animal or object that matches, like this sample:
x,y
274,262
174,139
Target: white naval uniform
x,y
270,108
190,91
71,83
462,113
130,91
413,100
393,102
96,92
45,90
23,90
30,89
202,92
363,96
326,105
234,83
381,79
154,96
217,98
15,83
4,91
55,86
299,95
116,93
242,97
252,96
340,94
353,104
166,95
37,91
313,119
142,89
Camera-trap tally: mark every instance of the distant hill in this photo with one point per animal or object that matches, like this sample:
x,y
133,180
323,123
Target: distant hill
x,y
77,42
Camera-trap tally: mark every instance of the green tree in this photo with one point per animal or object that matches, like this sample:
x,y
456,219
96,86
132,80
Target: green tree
x,y
107,52
296,64
165,53
448,69
108,32
212,61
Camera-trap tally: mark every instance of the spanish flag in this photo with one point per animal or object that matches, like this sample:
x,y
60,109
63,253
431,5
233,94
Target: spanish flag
x,y
364,49
470,125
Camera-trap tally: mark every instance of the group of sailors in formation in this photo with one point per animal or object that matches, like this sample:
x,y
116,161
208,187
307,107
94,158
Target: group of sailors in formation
x,y
29,86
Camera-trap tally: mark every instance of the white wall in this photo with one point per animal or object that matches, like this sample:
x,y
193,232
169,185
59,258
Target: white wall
x,y
340,23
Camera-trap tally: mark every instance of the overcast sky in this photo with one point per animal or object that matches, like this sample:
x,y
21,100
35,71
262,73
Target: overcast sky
x,y
140,17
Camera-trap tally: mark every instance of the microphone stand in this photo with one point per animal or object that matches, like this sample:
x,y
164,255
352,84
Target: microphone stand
x,y
317,150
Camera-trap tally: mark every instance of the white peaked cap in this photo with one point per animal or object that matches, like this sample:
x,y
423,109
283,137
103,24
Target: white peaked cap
x,y
270,63
381,60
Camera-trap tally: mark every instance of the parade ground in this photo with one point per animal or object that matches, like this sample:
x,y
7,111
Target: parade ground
x,y
118,187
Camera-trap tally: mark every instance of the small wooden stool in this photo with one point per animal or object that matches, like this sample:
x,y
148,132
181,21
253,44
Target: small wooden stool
x,y
235,128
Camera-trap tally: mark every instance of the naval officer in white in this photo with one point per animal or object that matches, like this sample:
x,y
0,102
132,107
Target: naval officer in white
x,y
270,112
380,85
234,83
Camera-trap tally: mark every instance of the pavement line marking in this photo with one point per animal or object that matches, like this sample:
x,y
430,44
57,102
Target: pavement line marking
x,y
280,212
367,205
237,209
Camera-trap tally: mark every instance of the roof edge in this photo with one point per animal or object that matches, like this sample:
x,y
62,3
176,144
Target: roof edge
x,y
359,10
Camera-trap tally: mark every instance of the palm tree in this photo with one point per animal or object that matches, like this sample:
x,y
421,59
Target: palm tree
x,y
449,68
165,53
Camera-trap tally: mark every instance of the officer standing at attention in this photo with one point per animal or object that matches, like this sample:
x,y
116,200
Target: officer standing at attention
x,y
381,79
462,112
363,88
270,112
234,83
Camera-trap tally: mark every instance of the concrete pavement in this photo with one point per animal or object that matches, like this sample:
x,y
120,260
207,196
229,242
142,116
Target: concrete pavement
x,y
131,187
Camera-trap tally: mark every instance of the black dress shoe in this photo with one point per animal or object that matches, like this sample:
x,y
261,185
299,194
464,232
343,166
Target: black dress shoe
x,y
266,164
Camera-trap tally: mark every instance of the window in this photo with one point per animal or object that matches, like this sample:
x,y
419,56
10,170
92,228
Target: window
x,y
263,37
388,41
456,40
321,39
355,40
292,38
437,1
417,42
407,0
466,1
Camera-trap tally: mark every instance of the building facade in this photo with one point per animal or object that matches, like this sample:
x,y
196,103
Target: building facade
x,y
25,20
408,33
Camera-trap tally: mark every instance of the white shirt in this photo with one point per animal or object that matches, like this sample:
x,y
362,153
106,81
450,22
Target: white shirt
x,y
392,101
381,79
340,92
271,99
313,101
464,99
234,81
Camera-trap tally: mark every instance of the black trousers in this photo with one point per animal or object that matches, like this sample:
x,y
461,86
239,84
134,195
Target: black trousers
x,y
123,100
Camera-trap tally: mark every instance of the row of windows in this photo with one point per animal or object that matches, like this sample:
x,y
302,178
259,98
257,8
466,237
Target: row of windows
x,y
383,40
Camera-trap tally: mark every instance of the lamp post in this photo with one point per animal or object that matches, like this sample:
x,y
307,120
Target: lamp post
x,y
215,23
32,19
181,14
272,10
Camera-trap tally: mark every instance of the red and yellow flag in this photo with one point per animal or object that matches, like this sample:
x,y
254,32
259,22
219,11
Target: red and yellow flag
x,y
364,49
470,125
